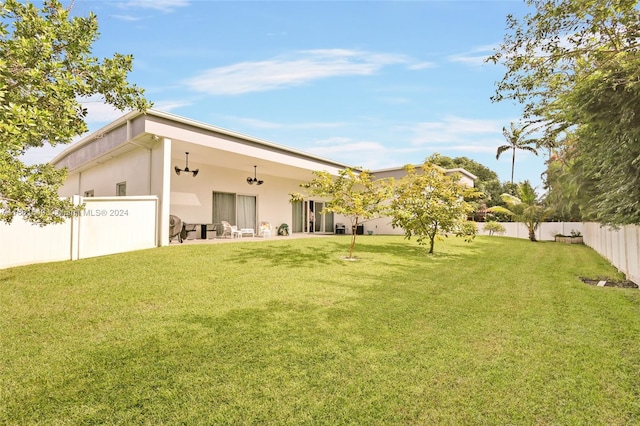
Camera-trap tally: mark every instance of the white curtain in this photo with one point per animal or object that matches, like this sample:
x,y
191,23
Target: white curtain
x,y
246,211
297,217
224,207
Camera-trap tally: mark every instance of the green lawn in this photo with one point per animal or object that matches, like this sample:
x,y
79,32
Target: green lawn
x,y
500,331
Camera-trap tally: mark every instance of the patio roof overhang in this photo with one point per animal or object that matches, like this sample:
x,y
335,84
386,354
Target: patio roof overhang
x,y
206,144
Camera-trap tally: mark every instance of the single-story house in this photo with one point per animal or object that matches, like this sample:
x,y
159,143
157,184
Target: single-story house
x,y
201,173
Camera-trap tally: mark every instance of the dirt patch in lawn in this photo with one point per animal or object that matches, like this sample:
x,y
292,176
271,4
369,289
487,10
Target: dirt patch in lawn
x,y
609,282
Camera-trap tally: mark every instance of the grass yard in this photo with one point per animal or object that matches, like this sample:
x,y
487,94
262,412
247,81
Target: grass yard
x,y
500,331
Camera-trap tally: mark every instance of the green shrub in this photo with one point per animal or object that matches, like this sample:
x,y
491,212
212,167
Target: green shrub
x,y
468,230
494,227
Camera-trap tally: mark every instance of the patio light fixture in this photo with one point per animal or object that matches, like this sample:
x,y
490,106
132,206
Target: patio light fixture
x,y
254,179
186,168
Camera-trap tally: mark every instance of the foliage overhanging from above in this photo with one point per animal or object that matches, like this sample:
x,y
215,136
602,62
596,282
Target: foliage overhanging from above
x,y
575,67
46,69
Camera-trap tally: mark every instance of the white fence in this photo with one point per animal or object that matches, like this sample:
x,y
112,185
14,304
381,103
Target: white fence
x,y
545,232
621,247
111,225
107,225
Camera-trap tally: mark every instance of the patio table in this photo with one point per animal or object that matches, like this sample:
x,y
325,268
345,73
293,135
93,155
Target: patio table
x,y
244,231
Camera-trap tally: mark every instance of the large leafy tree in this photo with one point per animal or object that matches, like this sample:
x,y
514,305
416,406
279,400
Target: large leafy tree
x,y
517,139
427,203
357,195
525,208
46,68
566,187
487,180
482,172
575,67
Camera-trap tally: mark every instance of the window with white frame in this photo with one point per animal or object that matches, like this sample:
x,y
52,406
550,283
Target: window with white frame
x,y
121,189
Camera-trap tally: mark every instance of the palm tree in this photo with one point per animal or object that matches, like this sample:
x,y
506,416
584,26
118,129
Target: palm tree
x,y
526,208
516,139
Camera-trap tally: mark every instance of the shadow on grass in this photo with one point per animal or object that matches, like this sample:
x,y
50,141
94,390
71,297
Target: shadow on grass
x,y
410,249
313,253
317,252
283,255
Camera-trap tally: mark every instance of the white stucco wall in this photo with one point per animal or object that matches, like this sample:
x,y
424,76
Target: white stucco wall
x,y
192,197
141,150
132,168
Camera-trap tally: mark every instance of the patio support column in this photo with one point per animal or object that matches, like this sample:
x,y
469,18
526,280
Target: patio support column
x,y
164,193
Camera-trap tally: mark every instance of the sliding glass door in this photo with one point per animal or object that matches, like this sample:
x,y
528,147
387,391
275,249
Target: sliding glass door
x,y
308,217
239,210
323,222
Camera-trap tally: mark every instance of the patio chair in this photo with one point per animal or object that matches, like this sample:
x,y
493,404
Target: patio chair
x,y
192,230
229,230
264,230
176,228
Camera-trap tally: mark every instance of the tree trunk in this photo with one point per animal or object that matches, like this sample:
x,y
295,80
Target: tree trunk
x,y
353,238
532,234
513,163
432,238
353,244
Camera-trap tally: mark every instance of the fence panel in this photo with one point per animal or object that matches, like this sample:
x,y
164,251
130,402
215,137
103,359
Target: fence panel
x,y
545,232
632,252
22,243
111,225
620,246
107,225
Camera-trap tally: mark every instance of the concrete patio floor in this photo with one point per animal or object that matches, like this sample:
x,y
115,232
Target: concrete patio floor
x,y
296,235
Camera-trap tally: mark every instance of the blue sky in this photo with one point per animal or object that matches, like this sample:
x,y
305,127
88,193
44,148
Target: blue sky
x,y
374,84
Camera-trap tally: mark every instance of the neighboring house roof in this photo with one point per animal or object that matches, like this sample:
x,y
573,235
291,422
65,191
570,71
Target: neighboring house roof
x,y
398,172
462,172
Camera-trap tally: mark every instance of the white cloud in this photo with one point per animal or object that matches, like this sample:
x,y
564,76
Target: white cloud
x,y
168,106
297,126
452,129
475,57
364,153
422,66
345,146
287,71
472,61
127,18
357,153
166,6
489,148
458,134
